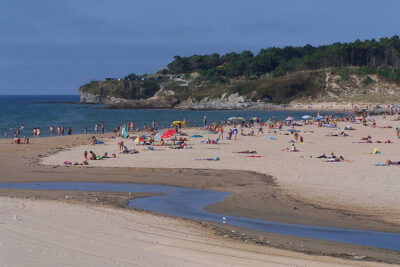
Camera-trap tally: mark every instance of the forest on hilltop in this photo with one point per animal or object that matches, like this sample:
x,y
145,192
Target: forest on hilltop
x,y
382,57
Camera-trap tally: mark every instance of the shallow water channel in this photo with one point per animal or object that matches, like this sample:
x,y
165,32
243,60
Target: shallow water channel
x,y
190,203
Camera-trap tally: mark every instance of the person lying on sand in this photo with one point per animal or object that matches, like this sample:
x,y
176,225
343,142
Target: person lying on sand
x,y
179,146
366,138
389,162
127,151
291,149
247,152
210,159
93,140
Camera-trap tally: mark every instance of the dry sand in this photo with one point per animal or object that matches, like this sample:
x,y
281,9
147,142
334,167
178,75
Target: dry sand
x,y
51,233
357,185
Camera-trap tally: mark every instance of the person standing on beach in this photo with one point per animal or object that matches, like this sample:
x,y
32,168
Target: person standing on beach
x,y
62,130
235,132
96,128
85,131
58,130
102,127
51,130
38,132
205,120
69,131
5,134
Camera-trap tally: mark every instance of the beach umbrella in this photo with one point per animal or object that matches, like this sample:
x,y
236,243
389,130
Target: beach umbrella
x,y
269,122
289,118
168,133
196,136
306,117
319,118
138,139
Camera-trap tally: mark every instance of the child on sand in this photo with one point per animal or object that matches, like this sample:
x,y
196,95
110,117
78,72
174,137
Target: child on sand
x,y
121,145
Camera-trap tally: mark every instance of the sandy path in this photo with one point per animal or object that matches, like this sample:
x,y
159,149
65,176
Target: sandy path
x,y
356,185
52,233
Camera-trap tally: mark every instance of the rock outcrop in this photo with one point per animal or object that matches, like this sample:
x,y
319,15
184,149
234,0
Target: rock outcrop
x,y
233,101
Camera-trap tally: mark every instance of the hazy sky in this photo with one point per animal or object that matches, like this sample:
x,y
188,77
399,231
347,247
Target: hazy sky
x,y
54,46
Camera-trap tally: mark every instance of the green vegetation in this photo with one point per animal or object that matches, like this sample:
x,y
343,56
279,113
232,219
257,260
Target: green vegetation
x,y
382,56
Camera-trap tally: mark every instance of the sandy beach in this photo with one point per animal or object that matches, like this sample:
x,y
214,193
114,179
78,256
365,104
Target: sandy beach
x,y
356,184
279,186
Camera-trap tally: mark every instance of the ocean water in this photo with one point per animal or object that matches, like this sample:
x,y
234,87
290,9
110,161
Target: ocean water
x,y
42,111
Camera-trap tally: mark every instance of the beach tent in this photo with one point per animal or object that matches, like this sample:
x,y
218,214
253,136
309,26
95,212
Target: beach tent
x,y
289,118
236,119
157,136
124,132
168,133
306,117
138,139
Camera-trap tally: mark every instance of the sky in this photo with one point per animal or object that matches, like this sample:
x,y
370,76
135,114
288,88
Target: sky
x,y
55,46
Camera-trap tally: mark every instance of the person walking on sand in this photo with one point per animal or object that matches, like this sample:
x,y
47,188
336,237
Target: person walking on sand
x,y
102,127
51,130
96,128
296,137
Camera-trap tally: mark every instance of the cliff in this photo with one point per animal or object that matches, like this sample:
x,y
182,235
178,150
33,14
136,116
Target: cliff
x,y
344,85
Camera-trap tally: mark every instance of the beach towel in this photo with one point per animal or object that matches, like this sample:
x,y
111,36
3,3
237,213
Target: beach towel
x,y
99,142
254,156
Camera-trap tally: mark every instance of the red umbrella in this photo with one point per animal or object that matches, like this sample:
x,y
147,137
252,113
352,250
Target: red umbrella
x,y
168,133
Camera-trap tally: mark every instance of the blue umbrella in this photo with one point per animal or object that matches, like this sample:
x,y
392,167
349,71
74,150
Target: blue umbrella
x,y
306,117
319,118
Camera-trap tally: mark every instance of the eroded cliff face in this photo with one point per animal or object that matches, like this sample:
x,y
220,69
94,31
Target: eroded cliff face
x,y
359,85
233,101
362,88
88,98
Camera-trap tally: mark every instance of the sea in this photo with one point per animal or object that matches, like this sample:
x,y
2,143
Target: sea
x,y
33,111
